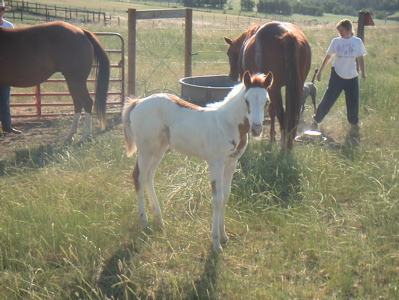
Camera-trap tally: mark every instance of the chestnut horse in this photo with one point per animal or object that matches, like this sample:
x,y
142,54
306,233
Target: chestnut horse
x,y
30,55
283,49
217,133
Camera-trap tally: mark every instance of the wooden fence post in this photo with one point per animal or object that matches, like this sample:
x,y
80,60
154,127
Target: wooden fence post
x,y
131,59
133,16
188,42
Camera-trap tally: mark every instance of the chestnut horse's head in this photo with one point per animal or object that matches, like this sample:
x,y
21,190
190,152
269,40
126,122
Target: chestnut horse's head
x,y
234,53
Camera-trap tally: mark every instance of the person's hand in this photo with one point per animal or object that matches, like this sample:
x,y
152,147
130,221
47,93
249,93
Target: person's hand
x,y
364,77
318,76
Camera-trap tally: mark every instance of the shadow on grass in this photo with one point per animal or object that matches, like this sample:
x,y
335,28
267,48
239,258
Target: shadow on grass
x,y
267,176
205,287
33,157
40,153
122,277
348,148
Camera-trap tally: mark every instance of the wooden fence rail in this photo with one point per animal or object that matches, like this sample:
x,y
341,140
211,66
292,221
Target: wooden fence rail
x,y
23,10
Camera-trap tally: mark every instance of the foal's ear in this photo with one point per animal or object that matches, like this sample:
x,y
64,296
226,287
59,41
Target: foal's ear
x,y
247,79
228,41
268,80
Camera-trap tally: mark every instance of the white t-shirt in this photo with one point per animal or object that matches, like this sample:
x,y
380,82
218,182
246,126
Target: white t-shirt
x,y
345,52
7,24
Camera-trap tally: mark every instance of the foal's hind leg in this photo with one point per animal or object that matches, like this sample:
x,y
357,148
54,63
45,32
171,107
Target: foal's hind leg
x,y
156,159
143,180
140,177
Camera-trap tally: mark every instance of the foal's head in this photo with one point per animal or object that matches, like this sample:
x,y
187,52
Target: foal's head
x,y
256,98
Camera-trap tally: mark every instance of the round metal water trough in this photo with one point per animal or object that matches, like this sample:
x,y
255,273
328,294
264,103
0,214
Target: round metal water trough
x,y
205,89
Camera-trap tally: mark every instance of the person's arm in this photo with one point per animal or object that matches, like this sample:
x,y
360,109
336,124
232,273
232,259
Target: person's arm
x,y
326,60
360,63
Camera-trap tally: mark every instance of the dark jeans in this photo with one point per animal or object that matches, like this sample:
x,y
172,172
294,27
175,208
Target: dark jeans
x,y
5,115
335,86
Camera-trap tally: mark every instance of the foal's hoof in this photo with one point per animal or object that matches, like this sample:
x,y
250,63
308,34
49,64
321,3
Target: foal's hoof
x,y
68,141
86,139
217,248
224,239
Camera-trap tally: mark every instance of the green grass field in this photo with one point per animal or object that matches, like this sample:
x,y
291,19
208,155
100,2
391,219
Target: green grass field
x,y
319,223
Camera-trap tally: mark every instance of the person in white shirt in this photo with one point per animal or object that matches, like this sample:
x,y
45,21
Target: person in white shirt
x,y
345,50
5,91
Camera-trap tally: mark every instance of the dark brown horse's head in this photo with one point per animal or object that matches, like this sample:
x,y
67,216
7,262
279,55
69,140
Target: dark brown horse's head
x,y
236,69
233,53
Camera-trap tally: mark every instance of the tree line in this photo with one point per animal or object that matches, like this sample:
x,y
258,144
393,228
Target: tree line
x,y
379,9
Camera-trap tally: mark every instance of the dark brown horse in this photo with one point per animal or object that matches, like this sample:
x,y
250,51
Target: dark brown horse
x,y
283,49
30,55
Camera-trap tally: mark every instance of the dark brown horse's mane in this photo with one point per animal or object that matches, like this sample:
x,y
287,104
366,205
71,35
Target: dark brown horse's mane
x,y
253,29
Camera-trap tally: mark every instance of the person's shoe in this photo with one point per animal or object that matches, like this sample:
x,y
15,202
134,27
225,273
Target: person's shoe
x,y
314,126
11,130
354,130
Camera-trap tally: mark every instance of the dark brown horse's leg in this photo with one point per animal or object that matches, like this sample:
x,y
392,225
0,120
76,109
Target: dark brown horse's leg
x,y
276,109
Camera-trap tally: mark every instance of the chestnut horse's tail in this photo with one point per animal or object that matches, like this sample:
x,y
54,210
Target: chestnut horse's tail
x,y
102,74
127,129
293,88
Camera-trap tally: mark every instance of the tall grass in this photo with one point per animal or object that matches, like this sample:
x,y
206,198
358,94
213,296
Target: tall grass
x,y
320,223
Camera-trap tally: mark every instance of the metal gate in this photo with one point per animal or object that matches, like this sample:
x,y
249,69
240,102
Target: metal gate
x,y
116,93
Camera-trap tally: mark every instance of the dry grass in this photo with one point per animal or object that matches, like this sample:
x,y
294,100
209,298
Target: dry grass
x,y
321,223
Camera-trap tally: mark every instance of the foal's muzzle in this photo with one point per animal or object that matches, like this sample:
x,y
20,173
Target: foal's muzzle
x,y
256,129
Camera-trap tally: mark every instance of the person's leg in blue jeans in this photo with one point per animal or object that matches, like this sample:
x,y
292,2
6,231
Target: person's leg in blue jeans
x,y
352,100
5,114
335,86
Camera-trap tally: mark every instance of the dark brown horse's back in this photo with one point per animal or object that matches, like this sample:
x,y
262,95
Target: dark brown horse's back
x,y
283,49
270,42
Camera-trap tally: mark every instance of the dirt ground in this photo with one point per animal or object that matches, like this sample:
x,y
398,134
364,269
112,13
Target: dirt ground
x,y
49,131
34,132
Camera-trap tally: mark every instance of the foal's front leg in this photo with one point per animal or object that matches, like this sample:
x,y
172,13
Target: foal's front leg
x,y
216,174
227,178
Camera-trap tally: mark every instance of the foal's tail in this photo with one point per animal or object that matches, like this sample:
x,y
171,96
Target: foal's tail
x,y
127,129
293,88
103,73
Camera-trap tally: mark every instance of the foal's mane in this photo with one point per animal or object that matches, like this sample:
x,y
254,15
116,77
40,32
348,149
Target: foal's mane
x,y
237,89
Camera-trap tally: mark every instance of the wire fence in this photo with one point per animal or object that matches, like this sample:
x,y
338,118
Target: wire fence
x,y
34,11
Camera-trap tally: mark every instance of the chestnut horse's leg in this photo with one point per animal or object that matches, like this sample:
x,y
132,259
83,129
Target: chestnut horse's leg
x,y
81,100
74,127
216,169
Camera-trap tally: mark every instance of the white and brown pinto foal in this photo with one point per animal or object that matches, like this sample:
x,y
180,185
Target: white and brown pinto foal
x,y
217,133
